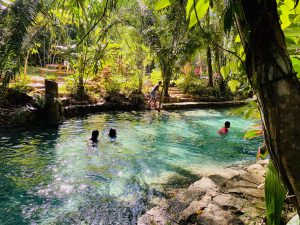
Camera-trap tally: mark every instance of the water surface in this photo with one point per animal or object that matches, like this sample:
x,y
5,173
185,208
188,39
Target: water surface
x,y
55,176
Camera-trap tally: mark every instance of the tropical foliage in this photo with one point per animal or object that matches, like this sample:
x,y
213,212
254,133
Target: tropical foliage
x,y
275,194
123,47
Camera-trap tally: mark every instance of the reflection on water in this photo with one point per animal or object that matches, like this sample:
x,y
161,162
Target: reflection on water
x,y
57,177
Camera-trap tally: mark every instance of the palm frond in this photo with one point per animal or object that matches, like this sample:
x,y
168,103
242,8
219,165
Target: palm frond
x,y
13,29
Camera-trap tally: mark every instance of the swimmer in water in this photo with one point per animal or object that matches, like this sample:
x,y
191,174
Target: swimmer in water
x,y
224,130
95,135
112,133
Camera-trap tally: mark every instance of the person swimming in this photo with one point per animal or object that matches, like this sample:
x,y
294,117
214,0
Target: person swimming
x,y
224,130
112,133
95,135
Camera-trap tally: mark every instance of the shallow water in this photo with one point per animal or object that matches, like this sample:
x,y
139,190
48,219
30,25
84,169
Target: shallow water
x,y
55,176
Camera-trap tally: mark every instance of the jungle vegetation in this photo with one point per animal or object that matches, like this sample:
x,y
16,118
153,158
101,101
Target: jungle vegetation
x,y
119,46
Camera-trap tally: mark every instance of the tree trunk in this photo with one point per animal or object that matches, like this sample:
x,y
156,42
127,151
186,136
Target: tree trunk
x,y
209,67
25,64
141,76
167,75
218,69
271,74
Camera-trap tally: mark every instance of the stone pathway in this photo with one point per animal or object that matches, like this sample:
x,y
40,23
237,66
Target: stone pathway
x,y
177,96
38,83
231,196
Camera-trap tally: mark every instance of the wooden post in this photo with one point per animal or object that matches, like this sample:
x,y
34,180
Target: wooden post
x,y
53,112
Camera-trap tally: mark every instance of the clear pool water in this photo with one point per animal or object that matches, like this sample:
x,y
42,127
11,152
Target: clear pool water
x,y
55,176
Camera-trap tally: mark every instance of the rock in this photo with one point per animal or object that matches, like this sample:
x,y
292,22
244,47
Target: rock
x,y
256,169
228,200
16,97
227,197
253,192
162,202
221,177
23,116
195,207
182,197
156,215
263,162
215,215
202,186
241,183
252,178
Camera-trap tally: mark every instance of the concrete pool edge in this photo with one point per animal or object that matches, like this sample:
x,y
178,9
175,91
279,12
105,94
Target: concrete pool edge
x,y
28,116
78,110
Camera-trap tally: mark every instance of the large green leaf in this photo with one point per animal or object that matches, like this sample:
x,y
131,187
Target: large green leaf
x,y
189,7
161,4
297,19
201,9
296,65
286,10
250,134
225,71
275,194
237,39
233,85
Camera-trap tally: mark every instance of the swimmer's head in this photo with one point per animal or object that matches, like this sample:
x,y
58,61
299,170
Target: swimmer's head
x,y
227,124
95,135
112,133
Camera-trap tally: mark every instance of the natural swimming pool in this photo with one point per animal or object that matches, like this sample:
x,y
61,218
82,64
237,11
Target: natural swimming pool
x,y
54,176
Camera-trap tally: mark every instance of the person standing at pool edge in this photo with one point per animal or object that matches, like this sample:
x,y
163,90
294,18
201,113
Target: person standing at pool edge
x,y
153,95
224,130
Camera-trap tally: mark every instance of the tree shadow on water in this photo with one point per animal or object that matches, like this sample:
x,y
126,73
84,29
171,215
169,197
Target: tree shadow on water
x,y
181,179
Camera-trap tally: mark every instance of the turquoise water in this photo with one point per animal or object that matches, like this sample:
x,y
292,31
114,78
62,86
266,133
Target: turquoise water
x,y
55,176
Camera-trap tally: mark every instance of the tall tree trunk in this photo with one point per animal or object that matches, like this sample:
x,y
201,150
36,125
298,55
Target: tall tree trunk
x,y
167,75
271,74
141,76
26,64
209,67
218,69
208,55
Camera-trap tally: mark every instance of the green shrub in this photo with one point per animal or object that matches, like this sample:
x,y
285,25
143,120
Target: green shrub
x,y
155,76
21,85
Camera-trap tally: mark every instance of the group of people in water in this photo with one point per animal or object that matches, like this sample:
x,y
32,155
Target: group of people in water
x,y
112,134
153,97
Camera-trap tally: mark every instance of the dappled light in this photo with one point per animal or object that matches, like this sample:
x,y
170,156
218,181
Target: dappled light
x,y
149,112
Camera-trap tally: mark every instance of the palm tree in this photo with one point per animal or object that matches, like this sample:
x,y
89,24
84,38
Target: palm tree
x,y
16,18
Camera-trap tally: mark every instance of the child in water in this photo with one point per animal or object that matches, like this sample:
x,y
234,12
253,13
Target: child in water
x,y
95,135
112,133
224,130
